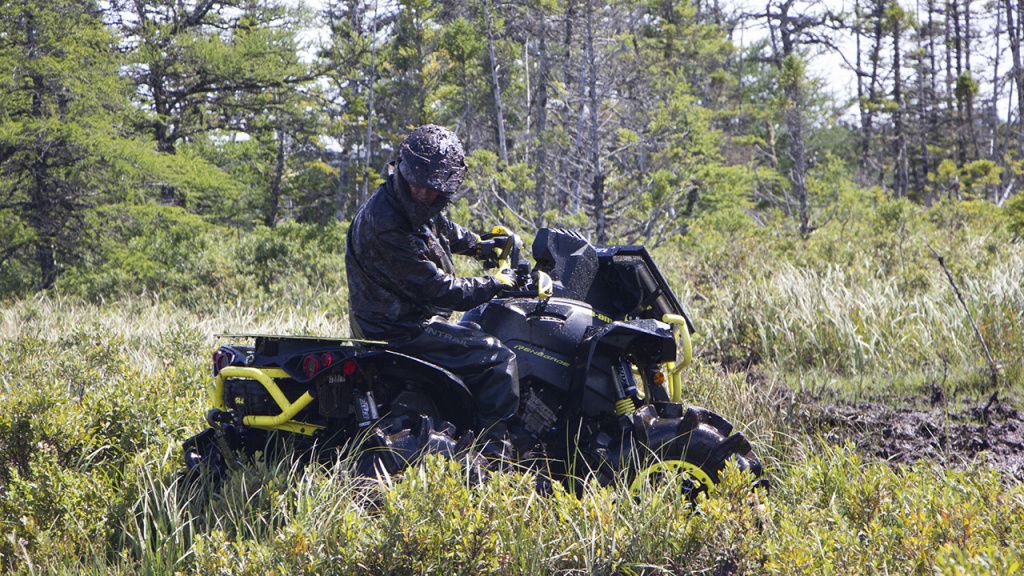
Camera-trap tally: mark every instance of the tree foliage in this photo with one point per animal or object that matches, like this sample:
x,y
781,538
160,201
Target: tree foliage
x,y
630,119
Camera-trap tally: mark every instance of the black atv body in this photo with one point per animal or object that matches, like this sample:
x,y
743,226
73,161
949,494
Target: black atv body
x,y
599,380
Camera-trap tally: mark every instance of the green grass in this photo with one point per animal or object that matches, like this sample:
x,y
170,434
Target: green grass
x,y
866,302
96,398
96,395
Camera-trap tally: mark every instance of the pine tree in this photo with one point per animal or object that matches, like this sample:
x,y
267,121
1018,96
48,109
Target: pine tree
x,y
62,123
194,62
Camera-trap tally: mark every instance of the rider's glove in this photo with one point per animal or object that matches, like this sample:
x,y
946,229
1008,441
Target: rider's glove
x,y
504,280
545,287
494,249
494,246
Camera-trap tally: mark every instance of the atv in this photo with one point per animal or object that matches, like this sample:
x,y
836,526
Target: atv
x,y
600,341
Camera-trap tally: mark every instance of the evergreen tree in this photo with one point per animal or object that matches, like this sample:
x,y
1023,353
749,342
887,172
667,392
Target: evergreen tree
x,y
197,63
64,127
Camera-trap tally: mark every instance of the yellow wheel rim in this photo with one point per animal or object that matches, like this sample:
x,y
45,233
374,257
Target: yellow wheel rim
x,y
681,467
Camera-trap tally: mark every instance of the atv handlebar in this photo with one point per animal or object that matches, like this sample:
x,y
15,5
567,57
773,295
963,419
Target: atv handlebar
x,y
535,284
528,284
501,251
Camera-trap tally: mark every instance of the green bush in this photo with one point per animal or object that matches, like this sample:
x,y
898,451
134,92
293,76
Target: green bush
x,y
1015,214
140,248
171,254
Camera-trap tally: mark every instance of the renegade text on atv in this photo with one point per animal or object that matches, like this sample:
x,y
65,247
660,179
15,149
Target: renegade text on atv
x,y
599,378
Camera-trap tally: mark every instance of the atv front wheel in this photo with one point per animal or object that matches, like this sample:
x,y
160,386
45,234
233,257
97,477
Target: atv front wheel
x,y
694,478
694,442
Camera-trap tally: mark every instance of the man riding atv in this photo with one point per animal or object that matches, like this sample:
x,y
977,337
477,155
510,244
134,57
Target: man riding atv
x,y
402,282
597,329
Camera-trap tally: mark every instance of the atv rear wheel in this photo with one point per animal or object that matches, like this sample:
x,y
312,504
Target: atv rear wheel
x,y
395,443
204,455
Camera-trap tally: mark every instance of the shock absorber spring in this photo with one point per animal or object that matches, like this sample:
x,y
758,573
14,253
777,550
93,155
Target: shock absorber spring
x,y
624,407
627,388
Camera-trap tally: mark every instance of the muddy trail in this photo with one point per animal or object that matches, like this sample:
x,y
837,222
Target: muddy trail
x,y
988,431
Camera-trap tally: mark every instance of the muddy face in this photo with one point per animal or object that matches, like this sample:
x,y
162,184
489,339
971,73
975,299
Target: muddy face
x,y
423,195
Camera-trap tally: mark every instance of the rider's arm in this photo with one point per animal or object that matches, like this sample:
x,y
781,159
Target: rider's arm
x,y
462,241
404,260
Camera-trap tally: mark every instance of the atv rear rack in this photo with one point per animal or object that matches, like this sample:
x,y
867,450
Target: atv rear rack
x,y
301,337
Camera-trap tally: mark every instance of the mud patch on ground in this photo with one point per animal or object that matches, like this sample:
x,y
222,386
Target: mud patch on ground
x,y
990,431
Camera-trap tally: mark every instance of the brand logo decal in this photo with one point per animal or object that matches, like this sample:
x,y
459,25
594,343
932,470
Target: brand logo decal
x,y
542,354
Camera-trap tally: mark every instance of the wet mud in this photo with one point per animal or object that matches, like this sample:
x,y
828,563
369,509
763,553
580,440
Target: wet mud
x,y
987,432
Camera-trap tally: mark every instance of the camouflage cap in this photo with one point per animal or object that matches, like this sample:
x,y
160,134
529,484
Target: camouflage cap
x,y
432,157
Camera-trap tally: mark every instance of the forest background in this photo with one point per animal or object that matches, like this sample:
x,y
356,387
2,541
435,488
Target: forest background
x,y
172,169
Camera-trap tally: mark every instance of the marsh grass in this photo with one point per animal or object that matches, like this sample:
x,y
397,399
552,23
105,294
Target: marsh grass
x,y
96,394
95,485
865,301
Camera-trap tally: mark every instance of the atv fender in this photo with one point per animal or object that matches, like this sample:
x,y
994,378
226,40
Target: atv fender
x,y
646,341
392,371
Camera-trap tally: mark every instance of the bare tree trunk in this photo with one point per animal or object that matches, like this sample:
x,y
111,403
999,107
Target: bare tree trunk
x,y
899,143
961,137
797,152
540,172
931,101
527,95
951,122
565,184
580,125
368,152
597,184
857,33
1013,33
499,116
340,197
916,113
275,181
340,189
794,115
972,132
867,126
994,149
1019,76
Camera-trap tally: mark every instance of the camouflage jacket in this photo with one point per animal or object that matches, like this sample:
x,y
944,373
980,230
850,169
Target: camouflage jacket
x,y
398,261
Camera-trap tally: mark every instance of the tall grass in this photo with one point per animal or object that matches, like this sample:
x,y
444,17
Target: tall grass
x,y
96,395
866,300
91,417
832,320
832,513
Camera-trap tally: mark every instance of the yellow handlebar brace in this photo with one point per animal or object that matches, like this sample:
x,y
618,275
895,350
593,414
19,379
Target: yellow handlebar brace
x,y
682,334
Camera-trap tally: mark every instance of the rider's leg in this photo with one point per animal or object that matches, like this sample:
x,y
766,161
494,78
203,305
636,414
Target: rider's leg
x,y
486,366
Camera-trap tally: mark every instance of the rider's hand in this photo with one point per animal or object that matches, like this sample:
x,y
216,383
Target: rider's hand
x,y
505,280
545,287
494,248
